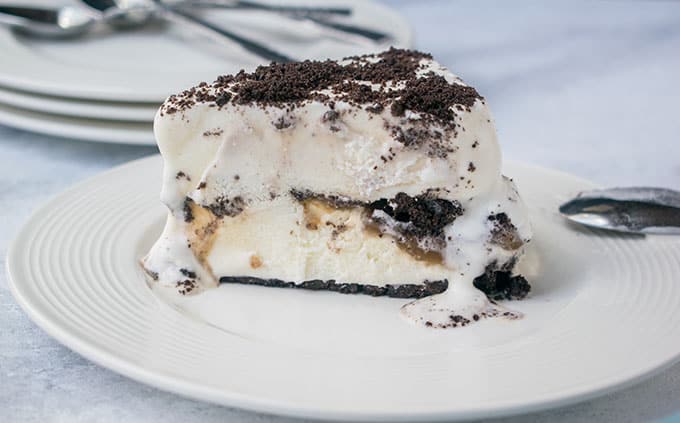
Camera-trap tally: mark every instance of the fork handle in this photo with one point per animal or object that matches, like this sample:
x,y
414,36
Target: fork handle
x,y
370,34
249,4
220,34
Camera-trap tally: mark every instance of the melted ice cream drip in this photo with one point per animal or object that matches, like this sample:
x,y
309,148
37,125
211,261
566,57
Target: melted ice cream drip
x,y
470,249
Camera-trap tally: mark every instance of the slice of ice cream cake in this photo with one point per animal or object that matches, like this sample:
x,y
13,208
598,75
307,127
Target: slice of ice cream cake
x,y
376,175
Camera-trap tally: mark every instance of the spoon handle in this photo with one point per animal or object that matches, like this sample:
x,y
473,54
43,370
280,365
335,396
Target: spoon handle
x,y
635,209
651,195
218,33
370,34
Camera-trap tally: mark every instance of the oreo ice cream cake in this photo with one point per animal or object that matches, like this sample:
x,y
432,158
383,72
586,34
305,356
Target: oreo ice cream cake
x,y
377,175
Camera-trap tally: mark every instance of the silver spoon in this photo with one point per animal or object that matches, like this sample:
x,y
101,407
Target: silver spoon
x,y
65,22
145,10
635,210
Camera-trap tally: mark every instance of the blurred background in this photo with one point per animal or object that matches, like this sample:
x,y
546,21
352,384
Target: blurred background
x,y
590,88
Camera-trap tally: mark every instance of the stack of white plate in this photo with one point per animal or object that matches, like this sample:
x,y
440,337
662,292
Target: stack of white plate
x,y
107,86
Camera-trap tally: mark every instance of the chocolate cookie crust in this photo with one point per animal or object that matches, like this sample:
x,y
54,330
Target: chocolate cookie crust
x,y
497,285
395,291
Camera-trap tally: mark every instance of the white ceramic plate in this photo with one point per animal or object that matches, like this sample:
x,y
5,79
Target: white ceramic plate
x,y
113,111
148,65
604,312
78,128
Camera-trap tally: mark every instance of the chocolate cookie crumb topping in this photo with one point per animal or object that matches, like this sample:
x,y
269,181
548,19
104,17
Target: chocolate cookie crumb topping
x,y
435,97
223,99
392,79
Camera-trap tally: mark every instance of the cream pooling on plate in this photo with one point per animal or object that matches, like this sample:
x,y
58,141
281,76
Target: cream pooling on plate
x,y
378,174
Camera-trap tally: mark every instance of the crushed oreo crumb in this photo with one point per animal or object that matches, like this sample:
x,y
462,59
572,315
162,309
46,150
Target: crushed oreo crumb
x,y
434,96
188,273
375,108
186,286
392,81
283,122
188,214
330,116
181,175
223,99
224,206
151,273
504,232
213,133
425,214
498,283
336,201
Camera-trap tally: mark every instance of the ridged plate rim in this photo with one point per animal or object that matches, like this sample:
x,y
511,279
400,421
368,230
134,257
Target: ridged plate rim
x,y
90,350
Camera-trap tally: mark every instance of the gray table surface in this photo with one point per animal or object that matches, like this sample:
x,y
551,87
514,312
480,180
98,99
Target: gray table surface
x,y
589,88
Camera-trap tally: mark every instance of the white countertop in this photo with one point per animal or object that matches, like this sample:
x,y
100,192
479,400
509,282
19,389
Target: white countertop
x,y
589,88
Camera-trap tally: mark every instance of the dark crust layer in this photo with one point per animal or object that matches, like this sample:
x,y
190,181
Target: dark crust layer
x,y
497,285
396,291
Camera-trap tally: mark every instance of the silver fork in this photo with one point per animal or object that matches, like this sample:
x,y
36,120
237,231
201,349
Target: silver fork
x,y
316,16
190,20
137,13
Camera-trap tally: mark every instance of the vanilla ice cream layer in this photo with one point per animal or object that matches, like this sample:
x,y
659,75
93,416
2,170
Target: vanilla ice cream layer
x,y
283,241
